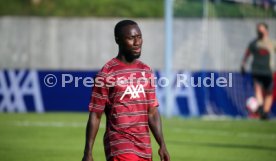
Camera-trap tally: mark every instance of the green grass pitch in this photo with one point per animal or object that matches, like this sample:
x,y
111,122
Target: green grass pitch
x,y
60,137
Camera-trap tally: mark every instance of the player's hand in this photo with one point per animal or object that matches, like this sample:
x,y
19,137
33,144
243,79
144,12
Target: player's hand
x,y
242,70
87,158
164,154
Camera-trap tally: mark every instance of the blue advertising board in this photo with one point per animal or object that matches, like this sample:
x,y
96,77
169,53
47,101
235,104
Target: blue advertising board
x,y
70,91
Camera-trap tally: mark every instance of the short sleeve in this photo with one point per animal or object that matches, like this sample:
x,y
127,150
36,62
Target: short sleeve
x,y
151,95
250,47
99,95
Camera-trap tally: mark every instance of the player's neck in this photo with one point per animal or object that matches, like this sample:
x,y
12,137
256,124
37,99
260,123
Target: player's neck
x,y
264,38
124,60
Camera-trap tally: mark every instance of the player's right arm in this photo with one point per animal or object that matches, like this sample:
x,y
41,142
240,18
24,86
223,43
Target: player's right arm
x,y
246,55
97,105
91,132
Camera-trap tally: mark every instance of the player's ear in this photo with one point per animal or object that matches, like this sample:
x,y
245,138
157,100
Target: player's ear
x,y
117,39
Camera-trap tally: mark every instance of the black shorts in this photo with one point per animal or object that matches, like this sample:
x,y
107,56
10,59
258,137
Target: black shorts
x,y
266,81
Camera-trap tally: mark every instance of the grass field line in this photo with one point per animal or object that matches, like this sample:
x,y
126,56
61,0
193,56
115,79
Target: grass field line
x,y
225,133
176,130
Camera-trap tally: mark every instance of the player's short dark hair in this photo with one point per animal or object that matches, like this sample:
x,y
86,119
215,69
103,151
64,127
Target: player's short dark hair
x,y
120,25
263,24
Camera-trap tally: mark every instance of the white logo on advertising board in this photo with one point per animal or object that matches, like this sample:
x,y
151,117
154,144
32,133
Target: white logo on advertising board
x,y
17,85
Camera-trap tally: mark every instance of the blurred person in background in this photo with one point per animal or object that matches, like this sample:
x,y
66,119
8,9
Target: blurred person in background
x,y
266,4
274,5
131,108
262,49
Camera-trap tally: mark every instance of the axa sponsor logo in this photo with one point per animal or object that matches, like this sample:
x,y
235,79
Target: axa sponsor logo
x,y
15,86
134,91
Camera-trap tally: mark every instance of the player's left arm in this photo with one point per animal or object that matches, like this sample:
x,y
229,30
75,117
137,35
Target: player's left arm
x,y
156,128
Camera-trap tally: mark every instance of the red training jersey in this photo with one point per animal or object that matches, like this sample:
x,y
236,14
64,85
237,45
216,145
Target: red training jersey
x,y
125,93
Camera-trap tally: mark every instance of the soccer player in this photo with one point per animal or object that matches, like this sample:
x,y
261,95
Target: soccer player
x,y
130,105
262,49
